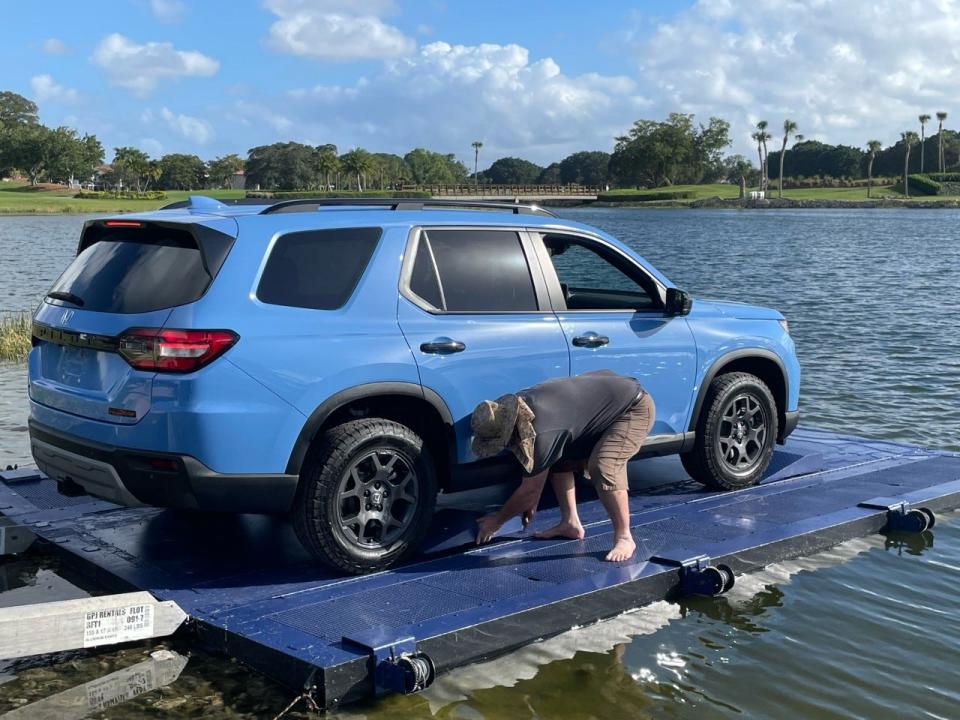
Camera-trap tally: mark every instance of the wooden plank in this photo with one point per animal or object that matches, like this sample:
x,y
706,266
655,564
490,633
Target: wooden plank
x,y
43,628
163,668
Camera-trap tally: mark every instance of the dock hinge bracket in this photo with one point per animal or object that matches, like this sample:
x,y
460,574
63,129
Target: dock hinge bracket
x,y
396,666
900,516
698,576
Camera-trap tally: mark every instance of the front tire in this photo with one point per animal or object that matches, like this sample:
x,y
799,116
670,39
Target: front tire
x,y
367,493
736,433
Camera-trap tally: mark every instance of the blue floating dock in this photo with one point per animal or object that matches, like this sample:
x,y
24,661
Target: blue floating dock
x,y
252,592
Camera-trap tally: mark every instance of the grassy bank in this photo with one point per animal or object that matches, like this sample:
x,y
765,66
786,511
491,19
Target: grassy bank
x,y
14,336
727,191
19,199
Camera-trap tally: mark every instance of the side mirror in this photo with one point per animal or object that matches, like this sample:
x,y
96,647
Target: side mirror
x,y
678,302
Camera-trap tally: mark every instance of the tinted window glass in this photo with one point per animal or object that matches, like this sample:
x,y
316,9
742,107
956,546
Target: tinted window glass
x,y
317,269
593,278
482,271
423,279
136,271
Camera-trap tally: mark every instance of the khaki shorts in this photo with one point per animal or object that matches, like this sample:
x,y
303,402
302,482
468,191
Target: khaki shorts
x,y
607,464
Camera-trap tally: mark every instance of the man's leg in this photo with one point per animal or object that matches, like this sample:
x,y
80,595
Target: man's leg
x,y
618,508
608,470
569,525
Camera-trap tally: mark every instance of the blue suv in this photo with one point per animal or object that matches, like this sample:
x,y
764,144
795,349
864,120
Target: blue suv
x,y
321,358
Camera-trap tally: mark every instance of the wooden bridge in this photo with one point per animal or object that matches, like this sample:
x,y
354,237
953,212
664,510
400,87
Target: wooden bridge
x,y
471,191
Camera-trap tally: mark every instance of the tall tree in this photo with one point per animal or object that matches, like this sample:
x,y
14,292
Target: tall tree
x,y
909,137
433,168
359,162
924,118
789,128
756,137
476,145
179,171
762,137
130,166
513,171
17,110
873,147
327,164
585,168
941,116
223,169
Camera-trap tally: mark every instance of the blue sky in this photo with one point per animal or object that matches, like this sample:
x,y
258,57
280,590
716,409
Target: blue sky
x,y
535,79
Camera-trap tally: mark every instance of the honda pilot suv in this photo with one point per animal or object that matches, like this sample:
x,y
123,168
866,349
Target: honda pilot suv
x,y
322,358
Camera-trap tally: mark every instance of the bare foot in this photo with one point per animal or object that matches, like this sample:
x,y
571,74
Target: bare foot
x,y
622,549
562,529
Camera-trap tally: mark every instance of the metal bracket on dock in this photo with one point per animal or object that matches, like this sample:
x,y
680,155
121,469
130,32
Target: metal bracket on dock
x,y
900,516
395,664
698,576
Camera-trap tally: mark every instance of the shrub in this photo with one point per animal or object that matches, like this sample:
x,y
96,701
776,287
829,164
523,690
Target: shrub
x,y
15,331
923,185
944,177
121,195
623,196
319,194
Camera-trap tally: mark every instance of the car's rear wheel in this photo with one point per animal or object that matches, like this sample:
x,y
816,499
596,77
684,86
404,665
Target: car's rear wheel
x,y
736,433
367,493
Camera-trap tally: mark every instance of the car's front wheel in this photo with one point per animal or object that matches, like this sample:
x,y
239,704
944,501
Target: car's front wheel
x,y
367,493
736,433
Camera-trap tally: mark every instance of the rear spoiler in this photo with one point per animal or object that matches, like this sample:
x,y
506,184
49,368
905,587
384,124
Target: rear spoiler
x,y
214,245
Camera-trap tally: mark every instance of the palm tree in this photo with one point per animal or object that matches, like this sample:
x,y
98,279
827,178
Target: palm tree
x,y
327,163
909,138
789,128
874,147
476,145
359,162
763,136
941,116
756,136
924,118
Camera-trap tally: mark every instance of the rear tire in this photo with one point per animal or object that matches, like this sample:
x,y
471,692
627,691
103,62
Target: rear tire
x,y
367,493
736,433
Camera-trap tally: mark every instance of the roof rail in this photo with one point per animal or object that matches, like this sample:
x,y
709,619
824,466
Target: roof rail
x,y
180,204
311,204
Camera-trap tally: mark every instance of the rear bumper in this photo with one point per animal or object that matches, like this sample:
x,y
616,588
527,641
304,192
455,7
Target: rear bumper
x,y
790,420
133,477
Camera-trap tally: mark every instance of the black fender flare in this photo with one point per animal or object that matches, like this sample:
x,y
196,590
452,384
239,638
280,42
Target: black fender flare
x,y
368,390
725,360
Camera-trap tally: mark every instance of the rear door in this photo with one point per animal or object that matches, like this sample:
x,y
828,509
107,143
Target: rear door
x,y
612,314
127,274
475,312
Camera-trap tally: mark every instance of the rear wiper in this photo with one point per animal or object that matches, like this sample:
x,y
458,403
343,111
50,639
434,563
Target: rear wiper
x,y
66,297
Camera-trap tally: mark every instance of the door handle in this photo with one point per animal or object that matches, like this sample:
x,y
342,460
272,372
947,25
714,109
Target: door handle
x,y
442,346
590,340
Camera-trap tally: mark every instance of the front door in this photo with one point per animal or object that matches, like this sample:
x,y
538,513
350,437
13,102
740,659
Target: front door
x,y
477,319
613,318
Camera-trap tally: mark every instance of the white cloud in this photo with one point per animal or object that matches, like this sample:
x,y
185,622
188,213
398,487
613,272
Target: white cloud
x,y
151,146
141,68
444,96
168,11
845,71
194,129
53,46
336,29
46,89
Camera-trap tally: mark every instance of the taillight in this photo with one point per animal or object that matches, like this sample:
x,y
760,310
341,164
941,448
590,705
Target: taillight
x,y
174,350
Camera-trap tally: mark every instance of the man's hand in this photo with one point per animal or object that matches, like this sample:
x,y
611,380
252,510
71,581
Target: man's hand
x,y
487,528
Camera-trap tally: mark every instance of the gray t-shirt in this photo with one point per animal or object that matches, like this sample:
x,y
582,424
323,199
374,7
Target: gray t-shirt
x,y
573,412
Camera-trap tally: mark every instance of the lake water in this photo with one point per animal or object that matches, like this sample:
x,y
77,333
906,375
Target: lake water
x,y
869,629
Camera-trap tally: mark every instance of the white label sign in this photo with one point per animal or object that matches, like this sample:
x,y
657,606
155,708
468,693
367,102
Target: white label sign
x,y
118,625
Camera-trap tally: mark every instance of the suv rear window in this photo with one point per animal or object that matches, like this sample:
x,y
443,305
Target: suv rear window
x,y
135,270
318,269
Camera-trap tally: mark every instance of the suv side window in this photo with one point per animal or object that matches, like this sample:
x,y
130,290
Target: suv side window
x,y
592,277
317,269
473,271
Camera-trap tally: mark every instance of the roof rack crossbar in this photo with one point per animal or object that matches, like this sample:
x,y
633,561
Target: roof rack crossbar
x,y
311,204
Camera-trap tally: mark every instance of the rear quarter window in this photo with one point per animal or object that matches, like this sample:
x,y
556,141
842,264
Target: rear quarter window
x,y
317,269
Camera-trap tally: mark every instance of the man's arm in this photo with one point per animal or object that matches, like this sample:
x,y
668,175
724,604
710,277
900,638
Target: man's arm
x,y
525,498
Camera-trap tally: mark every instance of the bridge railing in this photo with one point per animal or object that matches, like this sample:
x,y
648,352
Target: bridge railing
x,y
505,190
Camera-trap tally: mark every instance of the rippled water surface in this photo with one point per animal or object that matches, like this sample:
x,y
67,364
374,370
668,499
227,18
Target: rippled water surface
x,y
870,629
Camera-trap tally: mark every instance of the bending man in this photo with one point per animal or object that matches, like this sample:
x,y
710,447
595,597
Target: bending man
x,y
593,422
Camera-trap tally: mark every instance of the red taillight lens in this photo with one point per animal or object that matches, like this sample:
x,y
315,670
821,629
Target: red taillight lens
x,y
174,350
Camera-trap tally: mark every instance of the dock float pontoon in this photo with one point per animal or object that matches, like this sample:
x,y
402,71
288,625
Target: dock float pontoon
x,y
250,591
